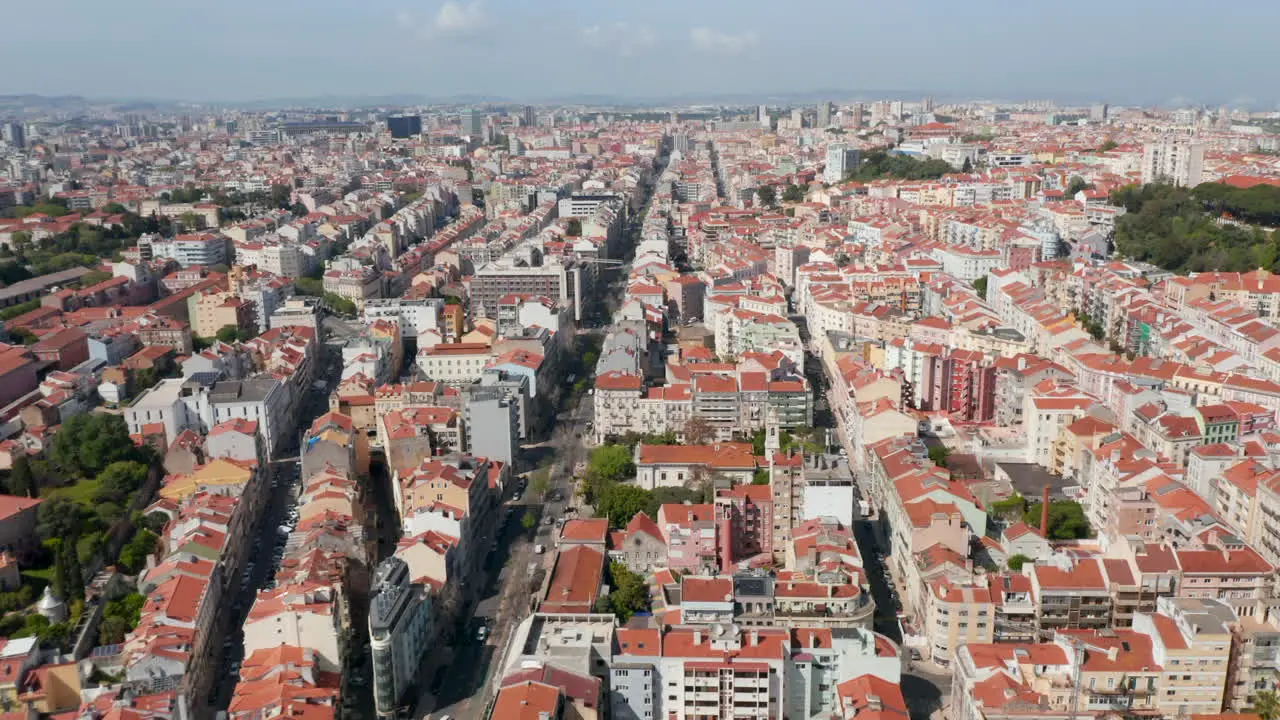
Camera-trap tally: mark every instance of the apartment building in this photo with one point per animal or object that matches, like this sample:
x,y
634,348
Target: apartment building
x,y
552,279
1073,596
1191,639
400,630
1180,162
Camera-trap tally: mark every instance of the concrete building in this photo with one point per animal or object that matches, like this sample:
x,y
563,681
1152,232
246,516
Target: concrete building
x,y
496,419
1179,162
400,627
492,281
841,159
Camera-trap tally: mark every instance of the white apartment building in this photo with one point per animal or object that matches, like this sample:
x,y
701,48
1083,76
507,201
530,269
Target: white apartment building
x,y
199,249
841,159
966,263
455,363
1180,162
413,316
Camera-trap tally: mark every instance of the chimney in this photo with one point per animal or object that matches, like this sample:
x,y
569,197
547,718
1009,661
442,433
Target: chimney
x,y
1044,512
755,637
697,637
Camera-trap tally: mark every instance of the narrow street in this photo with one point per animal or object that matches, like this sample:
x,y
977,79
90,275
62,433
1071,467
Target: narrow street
x,y
268,543
460,681
924,689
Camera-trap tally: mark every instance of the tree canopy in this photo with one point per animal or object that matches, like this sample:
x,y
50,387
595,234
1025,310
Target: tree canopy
x,y
629,593
612,462
793,193
980,285
1016,561
1178,229
89,442
768,195
881,164
1066,520
621,502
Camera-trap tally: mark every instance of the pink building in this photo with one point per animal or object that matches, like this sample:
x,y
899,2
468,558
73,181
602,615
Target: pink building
x,y
744,522
690,532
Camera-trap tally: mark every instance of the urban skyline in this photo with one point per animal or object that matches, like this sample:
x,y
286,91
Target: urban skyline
x,y
708,49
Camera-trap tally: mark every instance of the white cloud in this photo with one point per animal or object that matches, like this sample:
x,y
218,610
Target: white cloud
x,y
710,40
453,18
458,18
617,37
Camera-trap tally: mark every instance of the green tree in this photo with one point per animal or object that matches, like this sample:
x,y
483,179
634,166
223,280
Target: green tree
x,y
313,287
119,617
75,578
119,481
24,336
1179,229
228,333
10,313
938,454
980,285
621,502
540,482
133,556
1076,185
612,462
280,196
1066,520
1009,508
793,194
88,547
1266,703
574,229
760,477
1016,561
768,195
61,517
882,164
88,442
59,579
629,592
967,167
842,259
528,521
1108,146
339,304
191,220
21,480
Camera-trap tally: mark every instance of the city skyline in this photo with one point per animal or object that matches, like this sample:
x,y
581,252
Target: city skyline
x,y
715,48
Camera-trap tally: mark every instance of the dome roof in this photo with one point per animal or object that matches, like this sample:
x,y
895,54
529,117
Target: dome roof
x,y
48,601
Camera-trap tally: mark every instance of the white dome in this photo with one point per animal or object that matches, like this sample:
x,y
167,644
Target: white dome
x,y
48,601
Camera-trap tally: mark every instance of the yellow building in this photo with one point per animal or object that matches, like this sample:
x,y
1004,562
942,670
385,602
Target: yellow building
x,y
956,614
223,476
1191,640
53,688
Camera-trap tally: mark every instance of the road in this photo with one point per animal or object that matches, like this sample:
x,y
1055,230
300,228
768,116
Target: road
x,y
460,681
268,544
924,688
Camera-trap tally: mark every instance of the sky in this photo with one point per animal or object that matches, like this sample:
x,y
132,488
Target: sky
x,y
1171,52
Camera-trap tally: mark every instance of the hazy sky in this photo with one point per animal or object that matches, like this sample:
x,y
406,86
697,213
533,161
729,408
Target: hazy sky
x,y
1116,50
